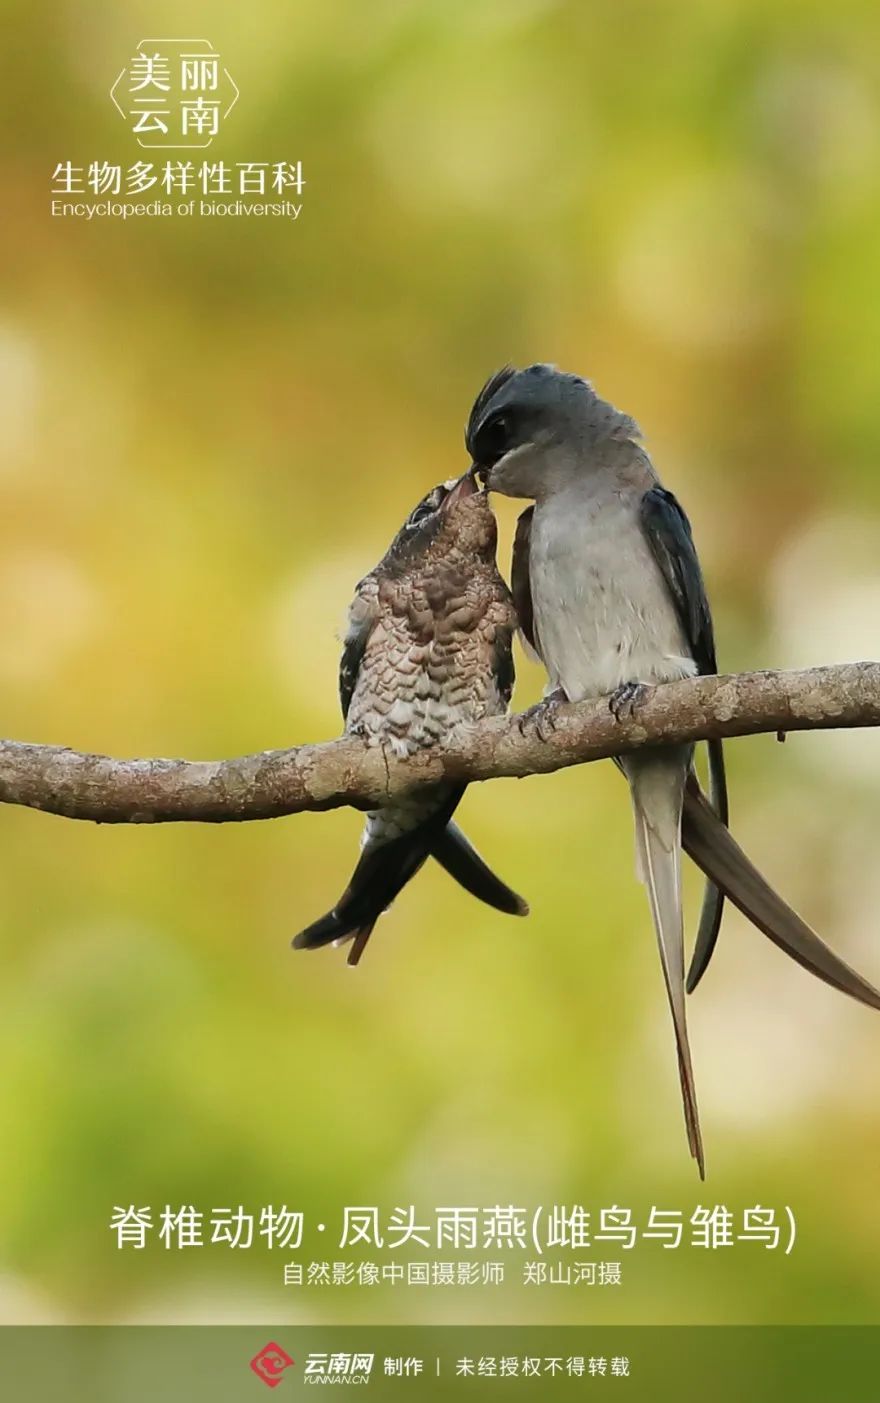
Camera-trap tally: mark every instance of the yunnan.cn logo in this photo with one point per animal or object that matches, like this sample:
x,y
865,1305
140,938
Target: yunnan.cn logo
x,y
270,1364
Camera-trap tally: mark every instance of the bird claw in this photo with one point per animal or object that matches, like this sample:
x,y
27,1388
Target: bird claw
x,y
626,699
542,716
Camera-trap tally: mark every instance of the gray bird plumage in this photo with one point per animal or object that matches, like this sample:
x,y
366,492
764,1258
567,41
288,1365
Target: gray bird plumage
x,y
610,595
428,647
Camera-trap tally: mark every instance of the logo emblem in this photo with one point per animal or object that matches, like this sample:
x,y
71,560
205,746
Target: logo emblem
x,y
175,93
270,1364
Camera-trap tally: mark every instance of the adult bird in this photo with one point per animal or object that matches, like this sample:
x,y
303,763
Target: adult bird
x,y
610,595
429,646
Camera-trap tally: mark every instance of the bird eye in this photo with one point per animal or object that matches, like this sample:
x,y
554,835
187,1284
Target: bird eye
x,y
494,439
426,507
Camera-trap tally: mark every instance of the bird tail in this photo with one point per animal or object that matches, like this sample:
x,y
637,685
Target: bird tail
x,y
462,861
657,786
719,856
382,871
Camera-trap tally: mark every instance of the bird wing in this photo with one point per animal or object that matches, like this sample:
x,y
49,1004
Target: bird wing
x,y
362,615
501,655
717,853
521,584
462,861
668,533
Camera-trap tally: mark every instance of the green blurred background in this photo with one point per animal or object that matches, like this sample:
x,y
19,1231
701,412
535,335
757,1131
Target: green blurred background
x,y
209,430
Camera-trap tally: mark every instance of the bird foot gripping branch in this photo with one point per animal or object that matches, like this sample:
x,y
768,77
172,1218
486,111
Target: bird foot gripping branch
x,y
625,701
543,716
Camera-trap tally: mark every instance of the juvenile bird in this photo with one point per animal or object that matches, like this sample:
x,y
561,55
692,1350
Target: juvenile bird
x,y
428,646
609,593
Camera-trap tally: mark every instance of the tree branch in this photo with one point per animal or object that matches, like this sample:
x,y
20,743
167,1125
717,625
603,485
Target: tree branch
x,y
343,772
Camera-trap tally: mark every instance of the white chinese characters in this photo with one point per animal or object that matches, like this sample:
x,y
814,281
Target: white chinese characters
x,y
174,93
179,178
503,1228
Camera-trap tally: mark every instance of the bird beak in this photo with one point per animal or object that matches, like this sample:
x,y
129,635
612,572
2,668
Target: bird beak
x,y
465,487
479,474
